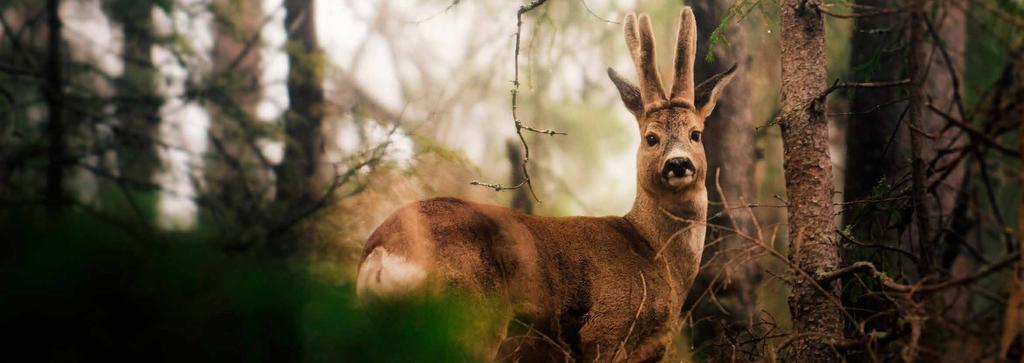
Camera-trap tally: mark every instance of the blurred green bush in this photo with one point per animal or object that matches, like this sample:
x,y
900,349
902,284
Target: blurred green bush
x,y
82,289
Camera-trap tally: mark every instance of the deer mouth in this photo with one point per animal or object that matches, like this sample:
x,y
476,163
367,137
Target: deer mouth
x,y
678,176
681,181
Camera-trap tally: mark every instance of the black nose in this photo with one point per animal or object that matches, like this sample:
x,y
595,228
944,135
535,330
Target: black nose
x,y
677,168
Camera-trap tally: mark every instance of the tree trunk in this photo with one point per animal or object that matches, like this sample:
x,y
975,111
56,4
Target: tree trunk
x,y
138,105
1013,322
808,169
877,147
730,152
521,199
915,69
304,142
236,170
943,173
56,149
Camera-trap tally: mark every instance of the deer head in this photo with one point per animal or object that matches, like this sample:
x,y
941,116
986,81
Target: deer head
x,y
670,162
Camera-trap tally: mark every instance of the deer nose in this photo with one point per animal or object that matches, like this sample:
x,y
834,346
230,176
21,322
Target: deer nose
x,y
678,168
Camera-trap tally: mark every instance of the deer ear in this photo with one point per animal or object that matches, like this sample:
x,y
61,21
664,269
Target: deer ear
x,y
630,93
706,94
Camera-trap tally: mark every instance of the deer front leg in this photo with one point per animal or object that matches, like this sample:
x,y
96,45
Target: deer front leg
x,y
641,334
651,348
617,338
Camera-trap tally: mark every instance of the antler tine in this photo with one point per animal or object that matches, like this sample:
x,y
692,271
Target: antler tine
x,y
686,52
650,80
632,38
640,40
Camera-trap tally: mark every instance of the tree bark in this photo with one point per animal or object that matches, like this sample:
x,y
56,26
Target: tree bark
x,y
915,68
1013,322
138,105
942,173
808,169
729,143
877,147
296,173
236,169
54,91
521,198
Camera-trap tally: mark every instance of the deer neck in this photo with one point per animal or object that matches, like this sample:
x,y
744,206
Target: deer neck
x,y
658,218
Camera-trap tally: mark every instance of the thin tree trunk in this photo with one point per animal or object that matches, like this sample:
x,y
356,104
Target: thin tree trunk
x,y
943,172
1013,322
940,88
730,151
56,149
808,169
296,174
877,147
236,170
915,69
521,199
138,106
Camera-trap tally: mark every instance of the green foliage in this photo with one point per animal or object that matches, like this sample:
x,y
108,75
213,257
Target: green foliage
x,y
989,41
310,64
736,13
425,145
79,289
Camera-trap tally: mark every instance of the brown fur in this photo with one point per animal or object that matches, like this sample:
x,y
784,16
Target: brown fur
x,y
597,288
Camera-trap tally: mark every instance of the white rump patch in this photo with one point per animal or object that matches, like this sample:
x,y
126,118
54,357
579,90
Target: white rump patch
x,y
387,274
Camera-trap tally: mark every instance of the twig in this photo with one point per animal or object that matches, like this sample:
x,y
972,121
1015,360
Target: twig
x,y
975,133
340,179
498,187
450,6
867,111
527,181
546,338
940,44
888,283
874,11
759,242
591,12
539,131
901,251
839,84
253,40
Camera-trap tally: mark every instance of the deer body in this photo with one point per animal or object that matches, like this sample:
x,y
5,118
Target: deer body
x,y
593,288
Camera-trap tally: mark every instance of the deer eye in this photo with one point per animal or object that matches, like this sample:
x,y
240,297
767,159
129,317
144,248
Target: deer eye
x,y
652,140
695,136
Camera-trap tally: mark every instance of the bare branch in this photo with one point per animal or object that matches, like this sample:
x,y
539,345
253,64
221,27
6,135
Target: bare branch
x,y
975,133
867,11
527,181
591,12
839,84
888,283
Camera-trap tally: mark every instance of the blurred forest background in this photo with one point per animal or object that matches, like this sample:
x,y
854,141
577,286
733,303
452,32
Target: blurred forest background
x,y
196,178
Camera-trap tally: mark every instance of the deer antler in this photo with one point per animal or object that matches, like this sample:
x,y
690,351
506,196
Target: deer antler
x,y
686,52
640,41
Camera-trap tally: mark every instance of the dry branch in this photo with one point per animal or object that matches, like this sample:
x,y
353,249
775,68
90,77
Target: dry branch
x,y
839,84
889,284
975,133
527,181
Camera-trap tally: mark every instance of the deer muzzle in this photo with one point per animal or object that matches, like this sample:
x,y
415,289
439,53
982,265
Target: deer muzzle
x,y
678,172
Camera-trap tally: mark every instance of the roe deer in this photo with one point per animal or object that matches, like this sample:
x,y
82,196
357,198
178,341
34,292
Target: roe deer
x,y
595,288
